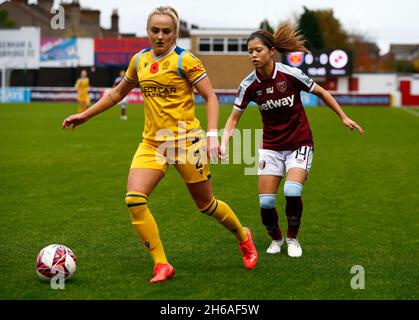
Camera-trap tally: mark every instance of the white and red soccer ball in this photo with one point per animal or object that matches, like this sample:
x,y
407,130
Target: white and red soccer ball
x,y
54,259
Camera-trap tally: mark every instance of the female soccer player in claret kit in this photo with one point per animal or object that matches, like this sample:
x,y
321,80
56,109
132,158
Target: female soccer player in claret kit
x,y
287,146
124,101
167,75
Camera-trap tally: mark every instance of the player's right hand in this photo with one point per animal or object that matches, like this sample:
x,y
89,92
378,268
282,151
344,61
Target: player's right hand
x,y
223,153
352,125
73,121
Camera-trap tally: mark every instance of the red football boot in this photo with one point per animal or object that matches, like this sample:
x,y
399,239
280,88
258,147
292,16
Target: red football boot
x,y
249,253
162,272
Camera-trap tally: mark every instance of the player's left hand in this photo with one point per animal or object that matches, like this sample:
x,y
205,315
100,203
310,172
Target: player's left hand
x,y
73,121
352,125
212,148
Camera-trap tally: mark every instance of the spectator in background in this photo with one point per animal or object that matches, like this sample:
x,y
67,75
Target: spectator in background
x,y
124,100
82,85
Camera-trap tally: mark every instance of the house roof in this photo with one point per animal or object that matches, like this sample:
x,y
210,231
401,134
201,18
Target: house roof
x,y
404,48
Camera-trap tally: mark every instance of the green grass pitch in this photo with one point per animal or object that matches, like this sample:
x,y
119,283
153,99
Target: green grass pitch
x,y
360,208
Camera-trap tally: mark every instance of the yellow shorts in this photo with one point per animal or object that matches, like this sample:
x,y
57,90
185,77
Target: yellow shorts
x,y
84,100
189,158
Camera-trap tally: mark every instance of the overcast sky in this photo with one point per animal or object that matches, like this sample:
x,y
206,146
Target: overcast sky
x,y
382,21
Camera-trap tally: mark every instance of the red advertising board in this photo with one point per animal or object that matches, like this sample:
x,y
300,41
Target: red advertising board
x,y
117,51
408,99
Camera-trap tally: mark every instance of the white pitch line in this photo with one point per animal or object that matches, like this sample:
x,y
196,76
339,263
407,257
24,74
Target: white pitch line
x,y
408,110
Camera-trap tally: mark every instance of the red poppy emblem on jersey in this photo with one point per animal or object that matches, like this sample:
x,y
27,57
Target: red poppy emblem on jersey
x,y
281,86
154,67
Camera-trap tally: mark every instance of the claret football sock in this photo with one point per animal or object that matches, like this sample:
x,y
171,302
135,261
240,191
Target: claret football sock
x,y
294,211
270,221
224,215
145,225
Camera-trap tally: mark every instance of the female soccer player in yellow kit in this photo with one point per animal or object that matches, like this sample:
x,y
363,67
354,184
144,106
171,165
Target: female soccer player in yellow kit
x,y
167,76
82,85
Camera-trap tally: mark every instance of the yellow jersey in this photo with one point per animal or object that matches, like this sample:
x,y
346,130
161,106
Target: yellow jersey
x,y
167,84
82,85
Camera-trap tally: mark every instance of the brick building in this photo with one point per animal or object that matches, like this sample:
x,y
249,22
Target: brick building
x,y
405,52
224,54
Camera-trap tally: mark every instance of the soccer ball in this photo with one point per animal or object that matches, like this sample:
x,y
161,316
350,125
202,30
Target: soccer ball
x,y
53,259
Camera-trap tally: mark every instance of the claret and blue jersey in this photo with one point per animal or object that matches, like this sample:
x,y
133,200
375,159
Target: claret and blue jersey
x,y
285,124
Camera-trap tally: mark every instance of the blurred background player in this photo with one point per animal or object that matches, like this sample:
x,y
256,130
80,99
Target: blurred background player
x,y
167,75
82,85
124,101
287,146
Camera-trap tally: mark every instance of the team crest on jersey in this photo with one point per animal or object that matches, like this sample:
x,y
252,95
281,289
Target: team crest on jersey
x,y
154,67
165,65
262,164
281,86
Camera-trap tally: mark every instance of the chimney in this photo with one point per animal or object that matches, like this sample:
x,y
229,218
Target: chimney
x,y
115,20
46,5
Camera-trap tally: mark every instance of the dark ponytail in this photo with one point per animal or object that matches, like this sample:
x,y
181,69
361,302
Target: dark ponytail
x,y
285,39
288,39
